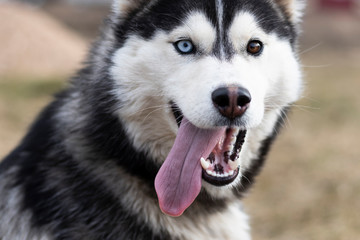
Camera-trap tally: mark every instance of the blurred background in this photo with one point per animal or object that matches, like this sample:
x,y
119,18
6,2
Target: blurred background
x,y
310,186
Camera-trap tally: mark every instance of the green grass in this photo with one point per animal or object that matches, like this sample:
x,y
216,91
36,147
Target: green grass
x,y
22,89
20,101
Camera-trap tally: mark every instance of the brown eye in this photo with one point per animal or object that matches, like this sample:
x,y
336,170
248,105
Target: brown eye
x,y
255,47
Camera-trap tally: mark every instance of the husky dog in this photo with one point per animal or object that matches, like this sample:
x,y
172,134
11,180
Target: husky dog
x,y
162,132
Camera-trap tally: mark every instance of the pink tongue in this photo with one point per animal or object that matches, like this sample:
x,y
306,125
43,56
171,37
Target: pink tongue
x,y
178,181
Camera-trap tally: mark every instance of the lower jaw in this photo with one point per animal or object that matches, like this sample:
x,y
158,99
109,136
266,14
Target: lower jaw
x,y
219,181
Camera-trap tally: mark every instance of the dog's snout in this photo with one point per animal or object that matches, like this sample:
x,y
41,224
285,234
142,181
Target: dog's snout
x,y
231,102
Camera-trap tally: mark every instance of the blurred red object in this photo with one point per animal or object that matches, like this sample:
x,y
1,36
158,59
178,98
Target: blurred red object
x,y
344,4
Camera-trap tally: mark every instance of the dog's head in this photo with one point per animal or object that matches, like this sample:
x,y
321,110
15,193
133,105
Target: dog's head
x,y
206,79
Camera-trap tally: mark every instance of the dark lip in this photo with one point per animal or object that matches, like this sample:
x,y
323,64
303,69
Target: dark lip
x,y
219,181
177,113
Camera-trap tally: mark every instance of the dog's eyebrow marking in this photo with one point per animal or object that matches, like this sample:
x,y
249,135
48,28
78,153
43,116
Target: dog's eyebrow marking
x,y
220,16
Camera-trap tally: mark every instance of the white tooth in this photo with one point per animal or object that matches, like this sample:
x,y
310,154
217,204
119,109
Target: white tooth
x,y
205,164
208,172
231,173
226,174
230,147
234,164
214,174
222,175
235,132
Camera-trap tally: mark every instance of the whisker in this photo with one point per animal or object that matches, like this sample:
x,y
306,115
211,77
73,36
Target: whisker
x,y
317,66
310,48
304,107
151,112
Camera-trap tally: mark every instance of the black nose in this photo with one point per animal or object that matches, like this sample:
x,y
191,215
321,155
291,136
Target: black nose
x,y
231,102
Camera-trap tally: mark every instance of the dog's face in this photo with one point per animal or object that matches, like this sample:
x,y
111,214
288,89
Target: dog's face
x,y
214,75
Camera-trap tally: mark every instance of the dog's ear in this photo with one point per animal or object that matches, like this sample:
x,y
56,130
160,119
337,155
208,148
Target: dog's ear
x,y
123,7
293,9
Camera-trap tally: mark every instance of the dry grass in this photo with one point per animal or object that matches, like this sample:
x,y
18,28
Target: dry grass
x,y
310,187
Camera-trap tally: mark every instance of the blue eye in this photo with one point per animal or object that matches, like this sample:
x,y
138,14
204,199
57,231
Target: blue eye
x,y
184,46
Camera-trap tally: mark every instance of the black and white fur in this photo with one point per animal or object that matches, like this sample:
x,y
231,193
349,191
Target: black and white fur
x,y
86,168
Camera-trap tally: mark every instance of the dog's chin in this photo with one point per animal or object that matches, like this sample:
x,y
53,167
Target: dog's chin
x,y
223,192
222,167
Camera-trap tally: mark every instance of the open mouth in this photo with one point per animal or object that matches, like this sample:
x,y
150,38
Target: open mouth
x,y
197,154
221,167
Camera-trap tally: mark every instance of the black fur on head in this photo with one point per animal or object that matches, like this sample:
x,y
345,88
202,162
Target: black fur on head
x,y
144,18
